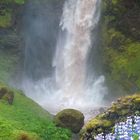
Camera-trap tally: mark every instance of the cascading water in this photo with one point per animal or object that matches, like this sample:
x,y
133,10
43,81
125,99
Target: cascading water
x,y
70,87
79,18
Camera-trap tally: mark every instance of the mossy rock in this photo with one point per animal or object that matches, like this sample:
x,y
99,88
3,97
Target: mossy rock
x,y
71,119
6,94
105,122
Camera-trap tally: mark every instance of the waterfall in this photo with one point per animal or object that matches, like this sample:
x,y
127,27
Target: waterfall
x,y
79,18
69,87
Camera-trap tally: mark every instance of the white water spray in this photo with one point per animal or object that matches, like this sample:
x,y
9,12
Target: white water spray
x,y
79,19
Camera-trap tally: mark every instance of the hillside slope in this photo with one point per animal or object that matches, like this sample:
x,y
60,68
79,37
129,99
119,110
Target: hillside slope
x,y
21,117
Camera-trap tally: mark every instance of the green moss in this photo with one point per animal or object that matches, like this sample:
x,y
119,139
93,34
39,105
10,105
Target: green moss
x,y
12,1
114,2
27,119
8,62
71,119
124,62
97,122
5,19
7,14
121,43
137,100
20,1
104,122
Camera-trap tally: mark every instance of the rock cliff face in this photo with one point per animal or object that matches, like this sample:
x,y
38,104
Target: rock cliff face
x,y
126,15
10,13
10,40
121,42
17,19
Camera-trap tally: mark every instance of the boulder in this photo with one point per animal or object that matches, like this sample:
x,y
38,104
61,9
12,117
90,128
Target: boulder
x,y
71,119
7,95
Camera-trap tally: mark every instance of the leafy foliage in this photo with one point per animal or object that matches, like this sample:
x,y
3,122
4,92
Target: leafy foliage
x,y
5,18
6,11
121,44
12,1
123,58
20,1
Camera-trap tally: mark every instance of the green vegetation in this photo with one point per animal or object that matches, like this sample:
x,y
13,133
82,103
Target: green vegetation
x,y
9,38
24,119
136,137
20,1
7,13
5,18
121,42
12,1
118,112
8,62
122,57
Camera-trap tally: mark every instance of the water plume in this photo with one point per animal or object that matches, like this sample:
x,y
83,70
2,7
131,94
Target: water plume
x,y
69,86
